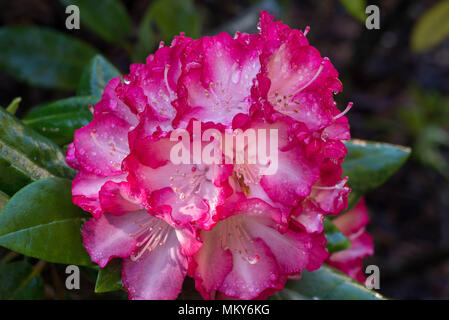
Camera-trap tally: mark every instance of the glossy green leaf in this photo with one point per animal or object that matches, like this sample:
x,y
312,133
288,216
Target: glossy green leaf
x,y
174,16
59,120
287,294
356,8
336,241
328,283
3,200
369,164
110,277
17,282
40,221
43,57
432,27
95,77
107,18
12,179
26,156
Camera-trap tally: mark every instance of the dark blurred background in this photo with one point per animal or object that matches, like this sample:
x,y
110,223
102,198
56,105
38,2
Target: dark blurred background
x,y
400,93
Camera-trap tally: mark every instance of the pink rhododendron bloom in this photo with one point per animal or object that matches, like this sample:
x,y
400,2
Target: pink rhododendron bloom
x,y
352,225
235,227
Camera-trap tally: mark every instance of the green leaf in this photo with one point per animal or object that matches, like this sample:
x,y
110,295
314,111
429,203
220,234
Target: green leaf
x,y
328,283
43,57
18,283
107,18
3,200
26,156
287,294
95,76
369,164
14,105
40,221
110,277
175,16
59,120
355,8
336,241
432,27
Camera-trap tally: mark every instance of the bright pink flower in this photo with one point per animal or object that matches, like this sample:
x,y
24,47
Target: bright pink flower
x,y
301,82
218,73
239,231
329,196
352,225
155,248
99,148
250,252
192,192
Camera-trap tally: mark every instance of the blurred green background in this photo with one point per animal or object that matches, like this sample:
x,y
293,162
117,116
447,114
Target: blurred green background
x,y
397,76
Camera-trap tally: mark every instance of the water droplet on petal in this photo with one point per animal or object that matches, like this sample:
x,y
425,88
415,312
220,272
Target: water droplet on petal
x,y
254,259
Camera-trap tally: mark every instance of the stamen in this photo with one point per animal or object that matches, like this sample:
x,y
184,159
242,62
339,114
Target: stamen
x,y
339,185
248,172
315,76
154,232
306,31
170,92
219,91
236,238
350,104
113,148
188,183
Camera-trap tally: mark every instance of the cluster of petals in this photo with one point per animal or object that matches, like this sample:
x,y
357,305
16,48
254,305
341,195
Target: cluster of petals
x,y
352,224
240,234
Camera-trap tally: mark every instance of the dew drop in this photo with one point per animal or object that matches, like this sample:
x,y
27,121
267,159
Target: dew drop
x,y
254,259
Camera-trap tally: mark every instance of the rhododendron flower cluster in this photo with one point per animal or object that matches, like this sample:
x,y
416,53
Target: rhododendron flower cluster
x,y
238,232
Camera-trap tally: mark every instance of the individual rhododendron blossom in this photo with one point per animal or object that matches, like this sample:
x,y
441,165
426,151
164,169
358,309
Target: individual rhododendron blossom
x,y
352,225
240,224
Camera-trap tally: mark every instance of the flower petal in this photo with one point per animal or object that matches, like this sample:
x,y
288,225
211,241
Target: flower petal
x,y
247,281
295,173
216,83
158,274
354,220
109,236
101,146
352,224
210,265
121,198
85,190
110,103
